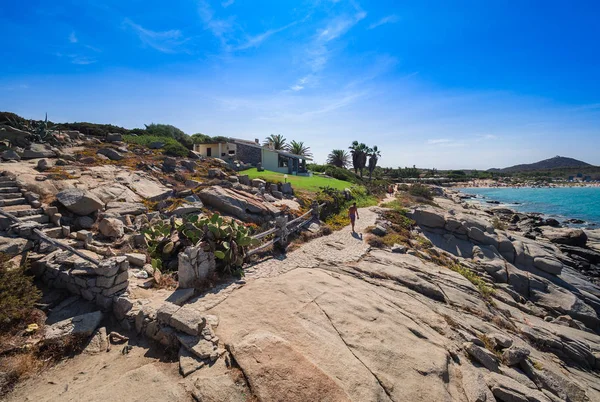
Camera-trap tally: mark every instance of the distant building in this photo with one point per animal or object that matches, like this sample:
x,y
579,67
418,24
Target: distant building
x,y
580,175
253,153
571,178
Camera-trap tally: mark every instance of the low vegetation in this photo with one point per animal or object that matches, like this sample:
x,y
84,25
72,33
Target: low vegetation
x,y
335,211
171,146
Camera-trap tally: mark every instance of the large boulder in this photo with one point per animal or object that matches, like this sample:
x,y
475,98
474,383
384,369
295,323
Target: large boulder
x,y
79,201
36,151
244,206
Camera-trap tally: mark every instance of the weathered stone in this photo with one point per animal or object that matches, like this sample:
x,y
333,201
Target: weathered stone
x,y
473,383
112,228
105,281
114,137
258,183
195,266
180,296
501,340
136,259
244,206
549,265
79,201
98,343
165,312
514,355
286,188
42,165
84,325
379,230
569,237
111,154
85,222
188,362
198,346
483,356
428,218
508,390
121,306
115,289
10,155
188,320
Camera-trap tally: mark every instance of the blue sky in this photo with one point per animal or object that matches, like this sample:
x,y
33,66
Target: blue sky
x,y
461,84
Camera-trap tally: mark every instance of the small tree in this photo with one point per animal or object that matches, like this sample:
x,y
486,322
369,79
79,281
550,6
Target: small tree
x,y
339,158
359,156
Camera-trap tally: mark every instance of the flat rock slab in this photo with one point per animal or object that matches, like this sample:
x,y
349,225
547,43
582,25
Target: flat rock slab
x,y
277,372
188,362
200,347
180,296
188,320
81,325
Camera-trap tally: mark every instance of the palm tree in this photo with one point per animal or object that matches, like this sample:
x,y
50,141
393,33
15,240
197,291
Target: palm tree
x,y
339,158
359,156
373,158
298,148
278,142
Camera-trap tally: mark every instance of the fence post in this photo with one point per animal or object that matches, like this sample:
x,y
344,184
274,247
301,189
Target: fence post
x,y
282,231
315,210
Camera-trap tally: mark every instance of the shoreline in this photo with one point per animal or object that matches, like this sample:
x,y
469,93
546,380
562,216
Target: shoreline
x,y
487,204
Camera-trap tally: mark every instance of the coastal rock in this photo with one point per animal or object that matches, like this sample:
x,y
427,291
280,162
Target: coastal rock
x,y
244,206
111,227
110,153
483,356
428,218
549,265
569,237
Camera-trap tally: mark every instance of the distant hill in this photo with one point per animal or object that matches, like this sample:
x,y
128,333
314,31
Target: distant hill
x,y
558,162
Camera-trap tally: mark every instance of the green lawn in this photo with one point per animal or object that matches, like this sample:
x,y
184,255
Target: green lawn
x,y
298,182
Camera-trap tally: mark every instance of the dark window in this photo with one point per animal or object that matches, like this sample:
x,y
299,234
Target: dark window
x,y
208,151
283,161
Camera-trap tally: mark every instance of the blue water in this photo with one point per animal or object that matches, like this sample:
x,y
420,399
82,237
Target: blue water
x,y
560,203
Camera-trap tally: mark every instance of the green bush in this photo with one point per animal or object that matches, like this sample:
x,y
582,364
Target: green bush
x,y
420,190
176,149
18,294
172,147
336,173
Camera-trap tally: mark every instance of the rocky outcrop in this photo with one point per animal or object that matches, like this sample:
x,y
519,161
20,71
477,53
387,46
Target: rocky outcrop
x,y
243,206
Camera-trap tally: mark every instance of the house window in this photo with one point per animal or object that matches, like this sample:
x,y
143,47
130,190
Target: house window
x,y
208,151
283,161
232,152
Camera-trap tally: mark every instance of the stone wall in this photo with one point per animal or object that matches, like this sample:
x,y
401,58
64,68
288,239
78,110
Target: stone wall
x,y
63,270
249,154
195,266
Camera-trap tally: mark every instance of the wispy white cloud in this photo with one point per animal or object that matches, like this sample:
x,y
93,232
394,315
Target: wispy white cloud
x,y
218,27
254,41
318,51
164,41
73,37
390,19
227,3
439,141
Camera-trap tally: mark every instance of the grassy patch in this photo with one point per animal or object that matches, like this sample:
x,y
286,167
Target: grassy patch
x,y
485,289
312,184
498,224
341,219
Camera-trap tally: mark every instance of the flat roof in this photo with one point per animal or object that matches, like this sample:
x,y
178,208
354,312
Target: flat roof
x,y
281,152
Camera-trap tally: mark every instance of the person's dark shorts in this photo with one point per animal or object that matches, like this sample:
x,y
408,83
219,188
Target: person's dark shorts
x,y
352,218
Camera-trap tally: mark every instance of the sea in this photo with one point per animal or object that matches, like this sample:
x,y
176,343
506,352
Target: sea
x,y
561,203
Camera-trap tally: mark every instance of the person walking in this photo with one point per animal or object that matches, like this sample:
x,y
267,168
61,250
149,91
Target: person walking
x,y
353,215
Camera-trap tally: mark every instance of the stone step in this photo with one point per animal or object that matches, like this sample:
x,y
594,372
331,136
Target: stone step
x,y
54,232
28,212
4,179
12,189
36,218
12,201
10,196
8,184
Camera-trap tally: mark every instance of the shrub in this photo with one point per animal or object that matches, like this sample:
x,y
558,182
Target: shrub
x,y
336,173
18,294
420,190
176,149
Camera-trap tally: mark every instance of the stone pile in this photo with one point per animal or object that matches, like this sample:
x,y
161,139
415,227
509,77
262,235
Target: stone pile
x,y
99,284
